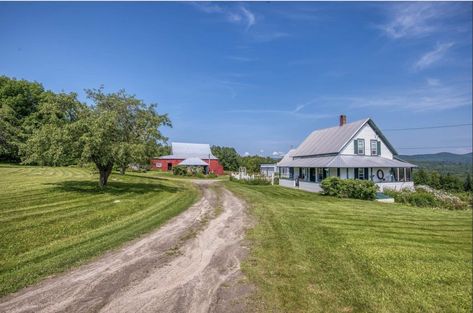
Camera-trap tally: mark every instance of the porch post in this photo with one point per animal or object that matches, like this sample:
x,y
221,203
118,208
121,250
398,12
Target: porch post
x,y
397,177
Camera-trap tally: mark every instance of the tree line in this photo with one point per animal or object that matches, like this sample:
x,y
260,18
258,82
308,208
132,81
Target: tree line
x,y
232,161
38,126
442,181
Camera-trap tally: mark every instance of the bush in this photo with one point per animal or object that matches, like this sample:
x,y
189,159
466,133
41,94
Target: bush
x,y
179,170
349,188
427,197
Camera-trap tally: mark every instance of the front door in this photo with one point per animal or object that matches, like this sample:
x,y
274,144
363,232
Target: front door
x,y
169,166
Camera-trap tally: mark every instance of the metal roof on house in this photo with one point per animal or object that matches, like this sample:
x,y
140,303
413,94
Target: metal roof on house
x,y
268,165
351,161
181,151
332,140
193,162
287,157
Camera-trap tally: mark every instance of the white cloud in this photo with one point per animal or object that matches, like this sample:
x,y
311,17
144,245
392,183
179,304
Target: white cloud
x,y
247,154
433,82
250,17
433,56
234,14
412,20
278,154
299,107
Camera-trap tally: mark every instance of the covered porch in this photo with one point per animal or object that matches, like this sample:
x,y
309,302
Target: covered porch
x,y
307,173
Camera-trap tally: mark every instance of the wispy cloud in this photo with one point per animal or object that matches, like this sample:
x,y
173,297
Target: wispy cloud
x,y
278,154
433,82
296,112
419,99
266,36
412,20
236,14
433,56
299,107
239,58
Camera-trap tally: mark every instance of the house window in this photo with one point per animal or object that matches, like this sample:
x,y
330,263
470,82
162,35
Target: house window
x,y
360,146
374,147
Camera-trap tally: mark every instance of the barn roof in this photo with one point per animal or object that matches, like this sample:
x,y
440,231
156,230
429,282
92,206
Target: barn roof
x,y
332,140
182,150
193,162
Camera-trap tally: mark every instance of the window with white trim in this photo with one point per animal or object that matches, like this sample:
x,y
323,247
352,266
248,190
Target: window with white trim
x,y
374,147
361,146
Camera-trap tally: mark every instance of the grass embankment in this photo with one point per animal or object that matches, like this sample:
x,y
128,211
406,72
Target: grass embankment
x,y
54,218
312,253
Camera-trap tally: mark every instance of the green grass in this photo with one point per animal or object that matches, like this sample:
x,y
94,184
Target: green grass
x,y
54,218
311,253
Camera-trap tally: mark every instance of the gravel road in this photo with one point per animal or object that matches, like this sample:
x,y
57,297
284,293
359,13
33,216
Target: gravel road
x,y
191,264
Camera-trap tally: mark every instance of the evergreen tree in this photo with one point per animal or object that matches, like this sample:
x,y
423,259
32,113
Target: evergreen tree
x,y
467,185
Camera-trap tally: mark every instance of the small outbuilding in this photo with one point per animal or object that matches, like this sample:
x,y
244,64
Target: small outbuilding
x,y
268,169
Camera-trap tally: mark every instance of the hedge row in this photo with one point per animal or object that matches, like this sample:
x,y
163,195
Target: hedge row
x,y
349,188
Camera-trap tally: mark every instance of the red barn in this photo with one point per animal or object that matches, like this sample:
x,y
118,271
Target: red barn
x,y
188,154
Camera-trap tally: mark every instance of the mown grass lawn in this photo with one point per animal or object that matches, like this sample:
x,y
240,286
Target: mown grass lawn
x,y
311,253
54,218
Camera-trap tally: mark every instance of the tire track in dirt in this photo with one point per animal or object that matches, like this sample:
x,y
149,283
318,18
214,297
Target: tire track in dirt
x,y
191,264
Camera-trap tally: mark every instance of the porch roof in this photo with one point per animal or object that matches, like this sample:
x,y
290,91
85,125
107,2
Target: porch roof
x,y
193,162
341,161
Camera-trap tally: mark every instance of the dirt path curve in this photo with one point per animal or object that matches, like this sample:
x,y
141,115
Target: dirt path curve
x,y
191,264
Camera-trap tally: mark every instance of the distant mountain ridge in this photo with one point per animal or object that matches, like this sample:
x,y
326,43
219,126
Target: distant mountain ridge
x,y
443,157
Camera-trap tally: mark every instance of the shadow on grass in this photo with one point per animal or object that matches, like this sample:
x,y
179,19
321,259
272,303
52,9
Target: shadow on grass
x,y
114,188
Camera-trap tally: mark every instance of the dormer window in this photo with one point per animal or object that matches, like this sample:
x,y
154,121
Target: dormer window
x,y
375,147
359,146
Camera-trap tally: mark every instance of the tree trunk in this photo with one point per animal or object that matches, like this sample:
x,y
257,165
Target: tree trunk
x,y
105,172
122,169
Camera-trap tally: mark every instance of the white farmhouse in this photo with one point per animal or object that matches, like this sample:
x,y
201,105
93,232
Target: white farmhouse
x,y
357,150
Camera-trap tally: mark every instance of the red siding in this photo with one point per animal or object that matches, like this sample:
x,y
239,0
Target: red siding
x,y
162,164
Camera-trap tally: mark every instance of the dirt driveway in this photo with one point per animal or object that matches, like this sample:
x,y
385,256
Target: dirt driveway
x,y
191,264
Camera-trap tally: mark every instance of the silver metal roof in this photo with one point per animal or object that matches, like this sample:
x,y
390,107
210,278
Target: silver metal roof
x,y
342,161
193,162
332,140
328,140
367,161
268,165
321,161
181,150
287,157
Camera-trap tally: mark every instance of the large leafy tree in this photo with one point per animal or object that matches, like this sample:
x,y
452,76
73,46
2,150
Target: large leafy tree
x,y
117,129
252,163
132,129
228,157
18,100
54,130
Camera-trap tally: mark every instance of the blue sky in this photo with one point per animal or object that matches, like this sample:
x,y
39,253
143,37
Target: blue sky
x,y
259,76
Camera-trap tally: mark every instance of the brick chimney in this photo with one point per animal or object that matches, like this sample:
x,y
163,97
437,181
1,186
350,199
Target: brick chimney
x,y
343,119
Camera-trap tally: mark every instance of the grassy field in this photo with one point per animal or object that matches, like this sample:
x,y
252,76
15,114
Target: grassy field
x,y
55,218
312,253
